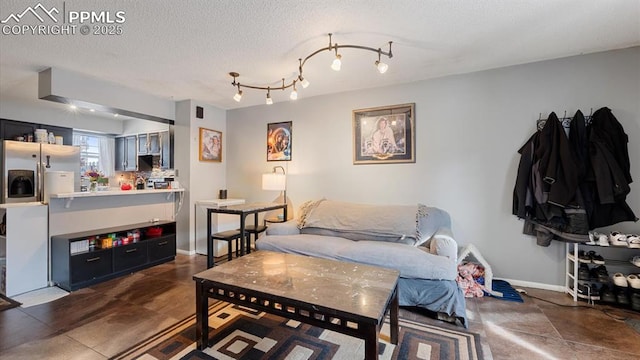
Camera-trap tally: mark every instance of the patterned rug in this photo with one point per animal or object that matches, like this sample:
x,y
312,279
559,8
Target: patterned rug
x,y
6,303
242,333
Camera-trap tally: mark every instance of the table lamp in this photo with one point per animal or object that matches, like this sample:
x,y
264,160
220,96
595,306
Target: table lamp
x,y
275,181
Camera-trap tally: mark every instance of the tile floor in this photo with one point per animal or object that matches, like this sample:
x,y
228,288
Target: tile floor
x,y
100,321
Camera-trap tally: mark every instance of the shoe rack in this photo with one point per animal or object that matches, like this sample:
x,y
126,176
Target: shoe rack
x,y
613,266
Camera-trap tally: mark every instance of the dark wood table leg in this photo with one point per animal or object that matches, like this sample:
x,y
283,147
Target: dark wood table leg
x,y
393,317
370,342
209,241
202,315
242,233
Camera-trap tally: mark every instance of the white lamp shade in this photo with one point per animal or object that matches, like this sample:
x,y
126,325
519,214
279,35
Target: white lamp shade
x,y
274,181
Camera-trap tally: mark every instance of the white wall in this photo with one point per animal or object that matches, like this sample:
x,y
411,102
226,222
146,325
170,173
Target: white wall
x,y
468,128
201,179
139,126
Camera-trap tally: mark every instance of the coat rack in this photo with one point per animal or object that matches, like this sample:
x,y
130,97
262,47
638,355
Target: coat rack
x,y
566,121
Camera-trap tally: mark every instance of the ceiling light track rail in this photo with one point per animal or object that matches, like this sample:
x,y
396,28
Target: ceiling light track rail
x,y
337,62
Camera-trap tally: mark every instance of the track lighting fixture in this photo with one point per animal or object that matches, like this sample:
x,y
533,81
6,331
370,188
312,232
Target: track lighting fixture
x,y
335,65
269,100
382,67
238,96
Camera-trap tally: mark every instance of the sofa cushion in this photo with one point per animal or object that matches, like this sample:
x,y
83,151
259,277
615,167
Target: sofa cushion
x,y
396,223
412,262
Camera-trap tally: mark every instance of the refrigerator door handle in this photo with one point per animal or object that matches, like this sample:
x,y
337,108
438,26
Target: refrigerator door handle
x,y
48,166
38,180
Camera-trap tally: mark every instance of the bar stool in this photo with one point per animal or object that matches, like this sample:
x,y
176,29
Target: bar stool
x,y
228,236
255,230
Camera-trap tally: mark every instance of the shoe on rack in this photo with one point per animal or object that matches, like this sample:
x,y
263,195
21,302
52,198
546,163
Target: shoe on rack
x,y
595,258
572,256
607,295
618,239
633,281
622,298
603,240
584,257
635,261
620,280
593,238
635,301
602,275
587,291
583,272
633,241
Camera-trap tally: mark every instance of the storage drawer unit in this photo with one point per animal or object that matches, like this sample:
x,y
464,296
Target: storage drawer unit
x,y
161,248
76,265
129,256
91,265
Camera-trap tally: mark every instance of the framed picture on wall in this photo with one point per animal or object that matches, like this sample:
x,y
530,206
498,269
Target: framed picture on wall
x,y
384,135
210,146
279,141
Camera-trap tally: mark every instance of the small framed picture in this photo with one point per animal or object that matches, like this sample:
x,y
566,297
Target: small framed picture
x,y
279,141
384,135
210,145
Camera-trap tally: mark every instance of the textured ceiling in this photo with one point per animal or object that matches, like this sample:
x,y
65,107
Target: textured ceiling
x,y
185,49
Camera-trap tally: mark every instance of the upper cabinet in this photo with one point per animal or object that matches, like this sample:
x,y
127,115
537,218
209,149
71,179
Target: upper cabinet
x,y
156,144
126,156
149,144
165,150
11,129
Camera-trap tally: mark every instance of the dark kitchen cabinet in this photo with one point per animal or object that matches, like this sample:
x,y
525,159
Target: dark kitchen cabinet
x,y
126,155
74,264
10,129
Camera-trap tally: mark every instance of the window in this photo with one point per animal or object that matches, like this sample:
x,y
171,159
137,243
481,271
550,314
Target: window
x,y
96,152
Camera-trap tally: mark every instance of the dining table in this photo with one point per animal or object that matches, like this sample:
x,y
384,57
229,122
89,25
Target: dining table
x,y
243,211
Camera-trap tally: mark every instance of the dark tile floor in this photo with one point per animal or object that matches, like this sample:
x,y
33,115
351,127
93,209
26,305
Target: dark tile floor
x,y
100,321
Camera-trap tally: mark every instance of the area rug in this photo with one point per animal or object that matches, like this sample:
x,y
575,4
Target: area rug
x,y
242,333
6,303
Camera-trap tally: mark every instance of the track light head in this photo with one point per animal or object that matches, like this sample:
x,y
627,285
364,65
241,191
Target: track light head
x,y
294,92
304,82
382,67
238,96
337,63
269,100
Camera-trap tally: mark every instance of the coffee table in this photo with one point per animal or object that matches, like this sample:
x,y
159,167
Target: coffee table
x,y
344,297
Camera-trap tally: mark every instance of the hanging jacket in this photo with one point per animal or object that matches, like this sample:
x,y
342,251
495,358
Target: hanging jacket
x,y
566,186
609,156
557,164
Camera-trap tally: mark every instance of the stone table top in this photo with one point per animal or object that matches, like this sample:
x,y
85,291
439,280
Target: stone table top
x,y
353,288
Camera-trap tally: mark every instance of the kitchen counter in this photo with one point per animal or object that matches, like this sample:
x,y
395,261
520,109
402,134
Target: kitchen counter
x,y
114,192
86,211
19,205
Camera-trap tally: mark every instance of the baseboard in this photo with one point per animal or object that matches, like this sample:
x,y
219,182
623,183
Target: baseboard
x,y
185,252
535,285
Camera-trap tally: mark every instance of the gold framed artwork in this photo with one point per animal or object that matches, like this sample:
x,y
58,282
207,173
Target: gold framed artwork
x,y
384,135
210,145
279,141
